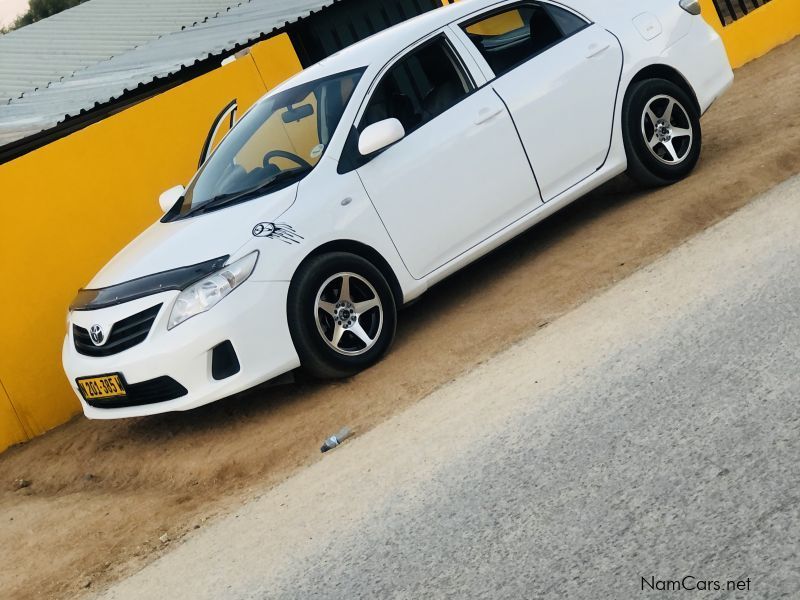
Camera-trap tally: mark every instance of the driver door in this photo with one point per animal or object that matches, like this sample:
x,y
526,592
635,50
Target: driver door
x,y
460,175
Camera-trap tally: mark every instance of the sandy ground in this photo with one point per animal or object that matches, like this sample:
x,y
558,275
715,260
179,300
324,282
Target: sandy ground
x,y
103,493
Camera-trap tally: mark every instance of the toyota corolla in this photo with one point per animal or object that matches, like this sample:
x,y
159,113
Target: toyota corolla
x,y
350,189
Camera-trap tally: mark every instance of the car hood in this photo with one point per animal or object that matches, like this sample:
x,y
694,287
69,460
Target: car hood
x,y
168,246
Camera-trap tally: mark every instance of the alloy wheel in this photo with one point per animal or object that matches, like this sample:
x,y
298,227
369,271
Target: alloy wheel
x,y
349,314
667,130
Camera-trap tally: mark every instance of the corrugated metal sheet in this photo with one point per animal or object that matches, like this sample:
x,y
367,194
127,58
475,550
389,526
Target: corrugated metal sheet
x,y
58,47
98,51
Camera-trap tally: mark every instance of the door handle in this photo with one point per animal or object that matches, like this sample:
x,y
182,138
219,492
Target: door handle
x,y
597,50
487,114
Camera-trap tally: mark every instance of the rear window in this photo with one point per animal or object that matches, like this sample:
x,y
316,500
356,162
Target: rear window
x,y
509,38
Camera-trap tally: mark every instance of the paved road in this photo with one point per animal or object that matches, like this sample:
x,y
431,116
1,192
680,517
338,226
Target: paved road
x,y
651,433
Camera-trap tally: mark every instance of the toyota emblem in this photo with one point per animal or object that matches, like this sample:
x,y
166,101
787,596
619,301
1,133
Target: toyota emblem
x,y
97,335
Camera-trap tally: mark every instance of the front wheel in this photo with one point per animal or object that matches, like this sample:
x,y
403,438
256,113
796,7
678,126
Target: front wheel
x,y
342,315
661,129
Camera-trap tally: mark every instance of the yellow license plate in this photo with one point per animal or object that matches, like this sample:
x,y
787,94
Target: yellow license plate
x,y
107,386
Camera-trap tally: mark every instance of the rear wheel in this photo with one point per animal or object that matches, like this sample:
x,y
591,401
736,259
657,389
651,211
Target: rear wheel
x,y
661,129
342,315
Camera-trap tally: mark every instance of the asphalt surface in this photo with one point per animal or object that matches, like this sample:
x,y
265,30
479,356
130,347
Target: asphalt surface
x,y
654,432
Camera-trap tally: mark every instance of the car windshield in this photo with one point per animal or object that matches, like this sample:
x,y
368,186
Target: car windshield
x,y
275,144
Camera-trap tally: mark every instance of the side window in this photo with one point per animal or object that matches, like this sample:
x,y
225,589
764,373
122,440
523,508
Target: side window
x,y
419,87
509,38
568,22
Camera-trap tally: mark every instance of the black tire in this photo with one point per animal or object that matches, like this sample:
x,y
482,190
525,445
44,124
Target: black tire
x,y
644,164
313,328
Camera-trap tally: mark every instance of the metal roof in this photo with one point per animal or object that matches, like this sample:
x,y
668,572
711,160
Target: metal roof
x,y
96,52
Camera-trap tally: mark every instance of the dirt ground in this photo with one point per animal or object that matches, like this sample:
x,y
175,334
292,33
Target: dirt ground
x,y
102,494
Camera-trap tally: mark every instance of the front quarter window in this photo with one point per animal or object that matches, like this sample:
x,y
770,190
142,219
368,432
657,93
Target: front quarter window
x,y
276,143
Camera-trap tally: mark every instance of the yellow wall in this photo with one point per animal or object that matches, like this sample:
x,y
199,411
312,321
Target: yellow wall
x,y
499,24
757,33
68,207
11,431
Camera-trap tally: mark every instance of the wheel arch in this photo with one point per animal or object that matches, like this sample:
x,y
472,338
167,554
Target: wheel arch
x,y
366,252
671,74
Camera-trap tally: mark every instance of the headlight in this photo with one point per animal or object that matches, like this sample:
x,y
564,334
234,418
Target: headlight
x,y
207,293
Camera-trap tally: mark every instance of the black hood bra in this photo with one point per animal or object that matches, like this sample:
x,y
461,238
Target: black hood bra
x,y
174,280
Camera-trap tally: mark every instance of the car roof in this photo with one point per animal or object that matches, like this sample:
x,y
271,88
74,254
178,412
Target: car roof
x,y
378,49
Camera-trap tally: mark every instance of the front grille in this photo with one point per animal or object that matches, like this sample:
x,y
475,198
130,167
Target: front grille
x,y
154,391
124,334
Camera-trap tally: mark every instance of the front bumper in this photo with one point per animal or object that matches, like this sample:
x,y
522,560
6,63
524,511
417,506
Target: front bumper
x,y
252,319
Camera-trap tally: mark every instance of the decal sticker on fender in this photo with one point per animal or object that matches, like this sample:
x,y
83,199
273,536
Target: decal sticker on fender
x,y
277,231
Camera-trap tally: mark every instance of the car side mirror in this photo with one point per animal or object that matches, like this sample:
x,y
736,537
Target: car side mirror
x,y
170,198
380,135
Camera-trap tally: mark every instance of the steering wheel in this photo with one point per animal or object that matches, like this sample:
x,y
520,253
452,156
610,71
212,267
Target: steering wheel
x,y
287,155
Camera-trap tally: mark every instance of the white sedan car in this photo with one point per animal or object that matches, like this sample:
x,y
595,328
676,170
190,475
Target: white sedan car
x,y
352,188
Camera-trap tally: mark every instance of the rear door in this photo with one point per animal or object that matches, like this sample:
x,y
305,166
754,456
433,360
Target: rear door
x,y
559,75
